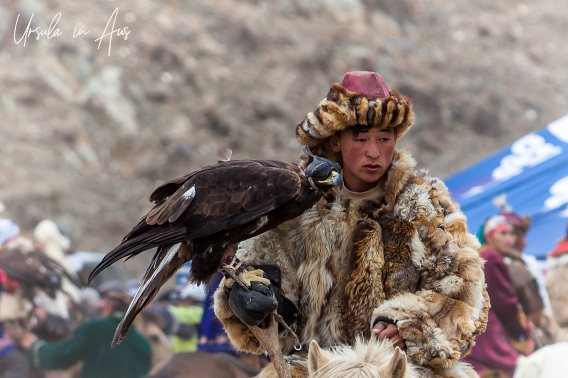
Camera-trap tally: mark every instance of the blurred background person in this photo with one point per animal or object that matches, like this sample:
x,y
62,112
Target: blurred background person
x,y
179,312
526,284
212,335
188,310
90,343
508,332
41,289
556,279
13,363
52,241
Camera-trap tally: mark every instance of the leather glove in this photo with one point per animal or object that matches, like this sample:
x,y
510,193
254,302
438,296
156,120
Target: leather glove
x,y
253,306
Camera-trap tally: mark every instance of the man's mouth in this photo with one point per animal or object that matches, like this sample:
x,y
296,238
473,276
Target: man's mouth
x,y
372,167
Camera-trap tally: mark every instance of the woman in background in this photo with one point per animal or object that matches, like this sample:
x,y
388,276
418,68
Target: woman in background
x,y
508,331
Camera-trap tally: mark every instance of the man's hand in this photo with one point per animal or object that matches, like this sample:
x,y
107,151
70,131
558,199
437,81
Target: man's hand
x,y
253,306
27,339
385,330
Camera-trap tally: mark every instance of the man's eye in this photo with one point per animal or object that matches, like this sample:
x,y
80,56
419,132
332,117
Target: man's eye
x,y
360,140
385,139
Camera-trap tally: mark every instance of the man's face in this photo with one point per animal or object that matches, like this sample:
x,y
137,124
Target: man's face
x,y
366,156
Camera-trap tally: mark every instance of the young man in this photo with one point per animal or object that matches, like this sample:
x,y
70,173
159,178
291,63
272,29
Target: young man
x,y
387,255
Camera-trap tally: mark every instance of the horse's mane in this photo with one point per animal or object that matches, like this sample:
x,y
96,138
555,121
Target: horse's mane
x,y
359,361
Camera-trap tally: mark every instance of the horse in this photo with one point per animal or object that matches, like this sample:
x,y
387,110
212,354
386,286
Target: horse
x,y
150,327
370,359
365,359
548,361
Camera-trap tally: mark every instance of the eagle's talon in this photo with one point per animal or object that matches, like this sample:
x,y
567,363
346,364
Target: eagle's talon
x,y
254,275
231,278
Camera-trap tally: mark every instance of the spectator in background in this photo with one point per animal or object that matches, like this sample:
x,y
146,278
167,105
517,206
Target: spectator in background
x,y
508,331
13,363
188,311
178,313
52,241
212,335
526,285
556,286
90,343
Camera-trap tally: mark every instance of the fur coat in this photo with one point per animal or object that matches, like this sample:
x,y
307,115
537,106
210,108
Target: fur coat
x,y
407,258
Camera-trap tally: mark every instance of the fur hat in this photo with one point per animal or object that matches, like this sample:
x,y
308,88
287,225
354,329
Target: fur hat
x,y
521,224
48,232
362,98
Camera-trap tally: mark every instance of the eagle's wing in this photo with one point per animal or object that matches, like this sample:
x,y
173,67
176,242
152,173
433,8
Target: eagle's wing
x,y
225,196
214,198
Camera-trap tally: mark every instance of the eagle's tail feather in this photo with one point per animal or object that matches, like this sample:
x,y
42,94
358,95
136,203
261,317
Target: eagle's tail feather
x,y
165,263
139,243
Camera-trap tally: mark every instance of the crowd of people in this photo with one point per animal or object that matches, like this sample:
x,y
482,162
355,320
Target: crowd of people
x,y
36,337
387,256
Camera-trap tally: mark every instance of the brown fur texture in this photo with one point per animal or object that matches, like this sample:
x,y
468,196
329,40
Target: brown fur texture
x,y
342,109
346,262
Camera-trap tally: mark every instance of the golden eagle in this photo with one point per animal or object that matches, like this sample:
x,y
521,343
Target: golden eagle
x,y
200,216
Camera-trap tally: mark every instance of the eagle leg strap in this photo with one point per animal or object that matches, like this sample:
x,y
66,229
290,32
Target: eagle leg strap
x,y
280,320
232,268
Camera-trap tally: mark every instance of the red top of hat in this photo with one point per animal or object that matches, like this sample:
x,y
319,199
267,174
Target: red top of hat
x,y
367,83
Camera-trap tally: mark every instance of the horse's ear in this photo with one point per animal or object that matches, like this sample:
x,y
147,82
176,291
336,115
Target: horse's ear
x,y
396,367
316,358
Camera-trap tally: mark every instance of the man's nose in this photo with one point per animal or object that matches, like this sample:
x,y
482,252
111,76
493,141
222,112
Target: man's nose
x,y
373,150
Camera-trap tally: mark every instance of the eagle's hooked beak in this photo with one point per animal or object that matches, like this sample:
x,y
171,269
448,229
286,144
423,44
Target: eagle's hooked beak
x,y
333,179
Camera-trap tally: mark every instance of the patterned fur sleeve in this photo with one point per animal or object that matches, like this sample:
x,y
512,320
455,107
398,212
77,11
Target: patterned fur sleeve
x,y
450,307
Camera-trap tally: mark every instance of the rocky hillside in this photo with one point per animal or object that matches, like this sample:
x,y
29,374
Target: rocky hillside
x,y
89,130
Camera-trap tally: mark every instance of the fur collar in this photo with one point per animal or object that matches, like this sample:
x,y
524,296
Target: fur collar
x,y
398,174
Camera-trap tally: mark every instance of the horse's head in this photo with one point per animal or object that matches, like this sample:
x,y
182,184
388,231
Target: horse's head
x,y
365,359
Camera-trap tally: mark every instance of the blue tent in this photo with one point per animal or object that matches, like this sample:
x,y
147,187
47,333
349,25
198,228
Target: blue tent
x,y
532,175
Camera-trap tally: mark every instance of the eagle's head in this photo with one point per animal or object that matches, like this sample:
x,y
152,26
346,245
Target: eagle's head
x,y
323,172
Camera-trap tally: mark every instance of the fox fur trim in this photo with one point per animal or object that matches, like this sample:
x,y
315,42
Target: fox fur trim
x,y
342,109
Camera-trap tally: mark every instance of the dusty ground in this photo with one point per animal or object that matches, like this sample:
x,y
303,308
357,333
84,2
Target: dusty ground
x,y
87,136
